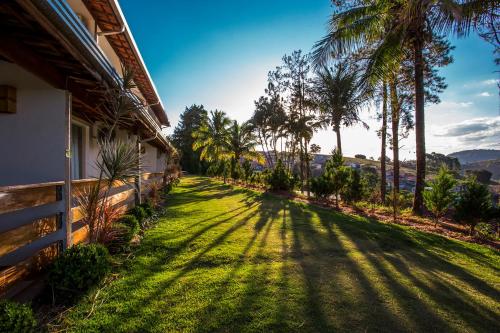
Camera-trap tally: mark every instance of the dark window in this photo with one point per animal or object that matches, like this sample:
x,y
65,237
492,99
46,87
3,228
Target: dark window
x,y
76,152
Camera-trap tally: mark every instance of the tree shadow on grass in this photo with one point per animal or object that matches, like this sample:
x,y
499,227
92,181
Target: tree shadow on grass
x,y
413,275
323,272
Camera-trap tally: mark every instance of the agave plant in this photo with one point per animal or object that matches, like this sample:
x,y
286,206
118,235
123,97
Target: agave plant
x,y
118,160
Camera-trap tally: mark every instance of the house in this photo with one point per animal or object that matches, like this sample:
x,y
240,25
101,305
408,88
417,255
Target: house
x,y
57,58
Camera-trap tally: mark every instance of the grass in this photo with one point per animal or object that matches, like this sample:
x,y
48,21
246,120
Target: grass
x,y
229,259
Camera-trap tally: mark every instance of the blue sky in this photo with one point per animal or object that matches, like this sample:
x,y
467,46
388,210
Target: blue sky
x,y
217,53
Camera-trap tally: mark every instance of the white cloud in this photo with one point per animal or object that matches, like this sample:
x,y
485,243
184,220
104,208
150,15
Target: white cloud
x,y
484,83
481,132
490,82
485,94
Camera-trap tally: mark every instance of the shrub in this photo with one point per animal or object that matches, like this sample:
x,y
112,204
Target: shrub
x,y
148,208
485,231
77,269
138,212
405,199
336,173
247,171
353,189
280,178
360,156
321,187
474,203
131,224
440,196
16,318
371,183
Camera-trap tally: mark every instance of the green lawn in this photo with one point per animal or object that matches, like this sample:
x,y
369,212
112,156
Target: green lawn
x,y
227,259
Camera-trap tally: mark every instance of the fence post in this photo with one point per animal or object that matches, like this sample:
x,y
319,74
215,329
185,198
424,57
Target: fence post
x,y
67,197
138,180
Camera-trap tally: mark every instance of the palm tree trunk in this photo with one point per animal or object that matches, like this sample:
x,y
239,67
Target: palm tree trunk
x,y
419,124
339,140
383,173
395,115
308,170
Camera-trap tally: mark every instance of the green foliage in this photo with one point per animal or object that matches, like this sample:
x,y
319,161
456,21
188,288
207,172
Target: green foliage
x,y
246,170
353,189
280,178
77,269
16,317
371,182
405,199
190,121
213,137
485,231
132,226
336,173
440,196
148,208
169,186
138,212
474,203
321,187
118,160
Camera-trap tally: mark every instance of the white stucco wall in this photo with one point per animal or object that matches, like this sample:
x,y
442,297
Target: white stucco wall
x,y
32,139
148,159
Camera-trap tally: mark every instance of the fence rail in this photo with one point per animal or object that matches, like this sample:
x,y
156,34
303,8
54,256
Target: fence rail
x,y
32,225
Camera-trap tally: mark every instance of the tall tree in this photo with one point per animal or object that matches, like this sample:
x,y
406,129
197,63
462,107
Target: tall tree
x,y
213,137
190,121
383,135
241,145
297,81
396,26
340,93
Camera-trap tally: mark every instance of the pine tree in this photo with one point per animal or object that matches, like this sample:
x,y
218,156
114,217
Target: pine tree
x,y
439,198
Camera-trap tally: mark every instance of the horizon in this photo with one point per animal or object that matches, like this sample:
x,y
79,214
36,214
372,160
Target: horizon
x,y
219,55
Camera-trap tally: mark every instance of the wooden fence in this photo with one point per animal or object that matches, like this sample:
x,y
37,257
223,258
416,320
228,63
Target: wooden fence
x,y
33,226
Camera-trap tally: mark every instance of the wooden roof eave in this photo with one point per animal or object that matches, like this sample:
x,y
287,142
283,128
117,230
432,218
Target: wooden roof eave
x,y
109,17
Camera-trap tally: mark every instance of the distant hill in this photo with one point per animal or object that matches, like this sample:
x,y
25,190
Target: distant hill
x,y
492,166
476,155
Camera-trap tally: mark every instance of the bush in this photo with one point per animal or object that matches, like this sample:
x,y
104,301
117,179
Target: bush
x,y
138,212
280,178
131,224
353,190
77,269
405,199
485,231
474,203
148,208
16,318
440,196
321,187
336,173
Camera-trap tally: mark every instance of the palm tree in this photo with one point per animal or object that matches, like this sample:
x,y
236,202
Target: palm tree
x,y
340,95
396,26
213,138
242,143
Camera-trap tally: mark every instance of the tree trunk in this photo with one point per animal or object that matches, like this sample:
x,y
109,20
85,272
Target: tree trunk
x,y
339,141
419,124
383,174
308,170
395,115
